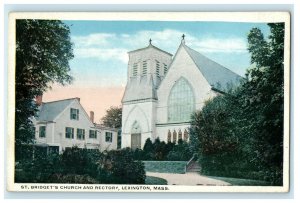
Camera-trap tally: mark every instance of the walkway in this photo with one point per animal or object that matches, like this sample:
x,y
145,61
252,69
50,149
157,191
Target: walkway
x,y
190,178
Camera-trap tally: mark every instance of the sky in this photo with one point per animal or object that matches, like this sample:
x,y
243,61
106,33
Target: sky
x,y
99,67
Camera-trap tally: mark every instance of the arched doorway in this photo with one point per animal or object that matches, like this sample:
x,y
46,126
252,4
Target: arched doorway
x,y
135,136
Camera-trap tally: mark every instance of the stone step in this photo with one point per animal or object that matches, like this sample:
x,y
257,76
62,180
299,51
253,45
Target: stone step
x,y
194,167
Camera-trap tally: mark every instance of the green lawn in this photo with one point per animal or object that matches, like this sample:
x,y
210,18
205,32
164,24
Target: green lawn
x,y
241,182
165,166
150,180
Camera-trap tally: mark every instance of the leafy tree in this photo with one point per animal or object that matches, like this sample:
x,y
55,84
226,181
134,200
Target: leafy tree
x,y
242,131
148,150
43,51
264,95
113,117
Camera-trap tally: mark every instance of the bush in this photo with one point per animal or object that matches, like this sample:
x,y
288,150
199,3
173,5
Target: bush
x,y
124,169
77,165
161,151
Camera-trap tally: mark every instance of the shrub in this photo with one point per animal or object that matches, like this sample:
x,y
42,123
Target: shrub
x,y
124,169
77,165
161,151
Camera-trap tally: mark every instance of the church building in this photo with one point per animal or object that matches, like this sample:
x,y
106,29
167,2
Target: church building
x,y
163,91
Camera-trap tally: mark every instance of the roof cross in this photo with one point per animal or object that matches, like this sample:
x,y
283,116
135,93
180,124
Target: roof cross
x,y
150,40
183,37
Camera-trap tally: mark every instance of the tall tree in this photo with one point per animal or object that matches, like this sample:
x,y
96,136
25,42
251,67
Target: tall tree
x,y
113,117
43,51
242,131
264,93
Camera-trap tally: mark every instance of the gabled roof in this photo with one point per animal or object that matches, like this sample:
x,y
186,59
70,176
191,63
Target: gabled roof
x,y
50,110
219,77
150,46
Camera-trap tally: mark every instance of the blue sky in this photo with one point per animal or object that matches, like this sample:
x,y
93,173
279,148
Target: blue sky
x,y
101,47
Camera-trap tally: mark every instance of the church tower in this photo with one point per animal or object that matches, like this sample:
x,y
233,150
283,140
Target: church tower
x,y
146,69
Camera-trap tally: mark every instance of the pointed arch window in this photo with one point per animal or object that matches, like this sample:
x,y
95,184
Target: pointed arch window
x,y
165,69
186,135
174,136
134,69
179,135
181,102
157,68
169,136
144,68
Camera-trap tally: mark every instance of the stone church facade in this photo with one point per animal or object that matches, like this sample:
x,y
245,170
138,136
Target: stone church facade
x,y
163,91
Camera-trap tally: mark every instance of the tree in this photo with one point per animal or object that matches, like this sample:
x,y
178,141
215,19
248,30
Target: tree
x,y
43,51
113,117
264,94
242,131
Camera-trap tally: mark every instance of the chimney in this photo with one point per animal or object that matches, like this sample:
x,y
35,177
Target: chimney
x,y
78,99
92,116
39,100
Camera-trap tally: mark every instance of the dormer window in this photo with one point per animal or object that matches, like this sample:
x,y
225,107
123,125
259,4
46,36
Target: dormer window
x,y
74,114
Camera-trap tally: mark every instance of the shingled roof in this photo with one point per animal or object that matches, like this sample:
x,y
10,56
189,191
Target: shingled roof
x,y
219,77
50,110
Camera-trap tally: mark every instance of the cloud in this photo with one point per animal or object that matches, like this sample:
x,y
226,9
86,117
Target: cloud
x,y
97,39
104,54
218,45
111,46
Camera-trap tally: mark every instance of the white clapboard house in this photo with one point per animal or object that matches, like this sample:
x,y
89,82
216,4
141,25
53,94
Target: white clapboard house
x,y
65,123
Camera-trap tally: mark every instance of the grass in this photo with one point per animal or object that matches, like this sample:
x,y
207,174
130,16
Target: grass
x,y
150,180
241,182
165,166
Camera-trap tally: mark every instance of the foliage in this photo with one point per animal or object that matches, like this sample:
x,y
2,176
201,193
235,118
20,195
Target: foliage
x,y
240,134
43,51
113,117
77,165
161,151
124,169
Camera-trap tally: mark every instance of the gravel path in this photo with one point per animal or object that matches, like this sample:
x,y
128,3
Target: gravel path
x,y
190,178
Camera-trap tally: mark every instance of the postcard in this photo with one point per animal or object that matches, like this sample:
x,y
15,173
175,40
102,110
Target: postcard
x,y
148,101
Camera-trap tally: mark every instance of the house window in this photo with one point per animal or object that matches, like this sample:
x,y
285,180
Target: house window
x,y
74,114
181,102
108,136
134,69
42,131
93,134
165,69
157,68
69,133
144,68
80,134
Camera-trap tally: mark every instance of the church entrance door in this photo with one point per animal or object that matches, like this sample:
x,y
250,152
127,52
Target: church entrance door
x,y
136,141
